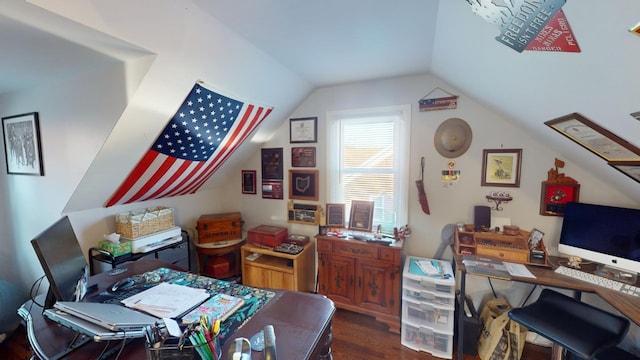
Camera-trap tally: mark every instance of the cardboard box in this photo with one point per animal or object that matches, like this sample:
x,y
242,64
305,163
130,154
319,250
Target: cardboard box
x,y
120,249
269,236
219,227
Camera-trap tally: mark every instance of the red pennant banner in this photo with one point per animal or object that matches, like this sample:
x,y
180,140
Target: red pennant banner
x,y
555,36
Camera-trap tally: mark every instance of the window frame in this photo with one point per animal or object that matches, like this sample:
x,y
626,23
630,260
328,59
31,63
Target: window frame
x,y
401,141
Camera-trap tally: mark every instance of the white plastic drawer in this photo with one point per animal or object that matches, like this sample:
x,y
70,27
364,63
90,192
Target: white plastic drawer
x,y
425,339
415,293
425,314
427,284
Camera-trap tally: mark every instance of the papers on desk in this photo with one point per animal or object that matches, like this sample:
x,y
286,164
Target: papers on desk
x,y
485,266
518,270
494,268
167,300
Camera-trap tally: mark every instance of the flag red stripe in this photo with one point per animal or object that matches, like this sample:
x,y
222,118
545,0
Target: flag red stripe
x,y
135,174
166,165
171,184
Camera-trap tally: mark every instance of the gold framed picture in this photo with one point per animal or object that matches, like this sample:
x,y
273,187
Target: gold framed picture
x,y
594,138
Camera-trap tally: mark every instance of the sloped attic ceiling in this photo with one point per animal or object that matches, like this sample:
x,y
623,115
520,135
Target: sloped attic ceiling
x,y
530,87
309,45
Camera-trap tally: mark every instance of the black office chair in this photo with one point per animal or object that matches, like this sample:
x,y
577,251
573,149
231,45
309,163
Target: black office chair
x,y
572,325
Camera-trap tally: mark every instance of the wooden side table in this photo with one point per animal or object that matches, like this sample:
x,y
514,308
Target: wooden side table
x,y
278,270
230,249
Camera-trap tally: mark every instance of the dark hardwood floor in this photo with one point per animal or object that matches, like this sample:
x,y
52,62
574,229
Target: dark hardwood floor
x,y
360,337
355,337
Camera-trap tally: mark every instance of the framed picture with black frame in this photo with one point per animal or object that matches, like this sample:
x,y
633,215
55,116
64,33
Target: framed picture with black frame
x,y
303,130
248,181
22,148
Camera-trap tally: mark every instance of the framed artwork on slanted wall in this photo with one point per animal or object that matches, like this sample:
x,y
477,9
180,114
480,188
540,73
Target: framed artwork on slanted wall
x,y
22,148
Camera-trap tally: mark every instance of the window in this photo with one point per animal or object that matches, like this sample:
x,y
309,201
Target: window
x,y
368,152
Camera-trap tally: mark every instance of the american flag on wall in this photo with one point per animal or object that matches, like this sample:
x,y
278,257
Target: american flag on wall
x,y
207,128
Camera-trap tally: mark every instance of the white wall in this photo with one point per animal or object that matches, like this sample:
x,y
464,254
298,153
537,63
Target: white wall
x,y
76,116
447,204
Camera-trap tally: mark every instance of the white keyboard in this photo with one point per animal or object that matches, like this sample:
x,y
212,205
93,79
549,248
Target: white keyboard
x,y
599,280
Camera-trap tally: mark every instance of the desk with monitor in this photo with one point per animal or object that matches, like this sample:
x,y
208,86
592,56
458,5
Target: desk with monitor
x,y
302,323
627,305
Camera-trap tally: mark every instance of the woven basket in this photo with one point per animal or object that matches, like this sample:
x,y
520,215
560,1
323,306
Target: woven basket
x,y
138,223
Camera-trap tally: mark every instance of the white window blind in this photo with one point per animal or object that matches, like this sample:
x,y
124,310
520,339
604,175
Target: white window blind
x,y
368,150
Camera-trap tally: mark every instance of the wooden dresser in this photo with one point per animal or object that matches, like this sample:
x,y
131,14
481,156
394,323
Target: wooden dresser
x,y
362,277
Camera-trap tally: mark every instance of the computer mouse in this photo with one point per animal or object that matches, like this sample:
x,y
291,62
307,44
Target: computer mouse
x,y
121,285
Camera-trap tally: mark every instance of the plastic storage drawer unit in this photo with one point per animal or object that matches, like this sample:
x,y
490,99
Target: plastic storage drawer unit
x,y
428,306
425,339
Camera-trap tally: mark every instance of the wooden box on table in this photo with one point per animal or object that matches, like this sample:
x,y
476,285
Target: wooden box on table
x,y
218,245
219,227
510,248
268,236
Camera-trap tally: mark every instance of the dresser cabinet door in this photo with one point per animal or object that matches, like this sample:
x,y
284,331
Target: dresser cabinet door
x,y
337,277
377,286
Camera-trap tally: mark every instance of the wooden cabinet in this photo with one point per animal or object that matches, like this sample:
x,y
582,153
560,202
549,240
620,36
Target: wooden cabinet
x,y
361,277
276,270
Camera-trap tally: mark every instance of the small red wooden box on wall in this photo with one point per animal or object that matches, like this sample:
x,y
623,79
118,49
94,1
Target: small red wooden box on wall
x,y
269,236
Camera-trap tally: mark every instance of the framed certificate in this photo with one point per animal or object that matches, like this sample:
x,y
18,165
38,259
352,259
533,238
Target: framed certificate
x,y
361,217
335,215
594,138
303,130
629,168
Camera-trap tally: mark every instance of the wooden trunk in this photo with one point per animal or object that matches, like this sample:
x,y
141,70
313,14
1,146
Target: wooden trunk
x,y
219,227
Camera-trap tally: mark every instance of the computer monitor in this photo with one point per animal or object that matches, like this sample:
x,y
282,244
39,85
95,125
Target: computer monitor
x,y
63,263
607,235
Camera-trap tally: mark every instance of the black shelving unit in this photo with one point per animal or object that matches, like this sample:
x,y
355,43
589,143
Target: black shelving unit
x,y
173,253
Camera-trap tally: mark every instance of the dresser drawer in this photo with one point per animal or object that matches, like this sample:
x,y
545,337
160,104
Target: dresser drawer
x,y
359,250
390,255
325,245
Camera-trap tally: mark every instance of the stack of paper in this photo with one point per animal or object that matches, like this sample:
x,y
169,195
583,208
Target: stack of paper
x,y
485,266
167,300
